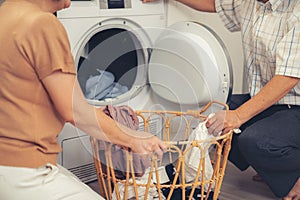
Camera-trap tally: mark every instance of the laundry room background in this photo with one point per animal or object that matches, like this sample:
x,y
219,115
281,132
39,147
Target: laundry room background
x,y
184,69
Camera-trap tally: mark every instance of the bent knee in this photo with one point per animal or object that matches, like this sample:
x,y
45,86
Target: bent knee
x,y
263,145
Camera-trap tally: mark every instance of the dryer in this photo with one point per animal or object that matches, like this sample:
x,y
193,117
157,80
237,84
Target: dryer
x,y
179,67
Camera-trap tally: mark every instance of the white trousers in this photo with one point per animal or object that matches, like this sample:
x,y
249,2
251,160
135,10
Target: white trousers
x,y
45,183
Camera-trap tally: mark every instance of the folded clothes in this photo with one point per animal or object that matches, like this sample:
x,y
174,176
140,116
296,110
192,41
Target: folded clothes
x,y
102,86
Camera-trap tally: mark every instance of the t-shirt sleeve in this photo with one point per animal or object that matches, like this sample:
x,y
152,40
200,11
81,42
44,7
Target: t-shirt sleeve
x,y
229,12
46,46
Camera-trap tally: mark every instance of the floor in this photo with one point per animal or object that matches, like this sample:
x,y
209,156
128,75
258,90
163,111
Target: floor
x,y
236,186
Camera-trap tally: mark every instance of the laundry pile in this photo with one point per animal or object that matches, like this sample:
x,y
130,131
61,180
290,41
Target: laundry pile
x,y
166,174
192,163
103,86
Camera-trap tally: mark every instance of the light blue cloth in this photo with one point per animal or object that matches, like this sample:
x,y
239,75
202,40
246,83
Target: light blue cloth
x,y
103,86
117,90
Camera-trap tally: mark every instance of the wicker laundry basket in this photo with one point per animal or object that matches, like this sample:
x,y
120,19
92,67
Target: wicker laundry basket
x,y
175,129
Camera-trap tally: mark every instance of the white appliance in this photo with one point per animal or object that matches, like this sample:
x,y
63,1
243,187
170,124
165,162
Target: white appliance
x,y
179,67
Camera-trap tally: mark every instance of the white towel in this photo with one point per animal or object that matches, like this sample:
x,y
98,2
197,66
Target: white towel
x,y
193,156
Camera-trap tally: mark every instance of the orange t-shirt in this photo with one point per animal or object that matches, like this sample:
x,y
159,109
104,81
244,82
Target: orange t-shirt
x,y
33,45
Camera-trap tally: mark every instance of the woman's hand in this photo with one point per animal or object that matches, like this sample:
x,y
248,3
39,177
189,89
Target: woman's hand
x,y
143,142
146,143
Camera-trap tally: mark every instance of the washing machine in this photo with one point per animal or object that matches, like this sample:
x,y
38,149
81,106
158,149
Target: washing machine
x,y
126,55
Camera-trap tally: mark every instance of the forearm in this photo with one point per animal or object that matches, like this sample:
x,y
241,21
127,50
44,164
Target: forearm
x,y
97,124
73,107
275,89
201,5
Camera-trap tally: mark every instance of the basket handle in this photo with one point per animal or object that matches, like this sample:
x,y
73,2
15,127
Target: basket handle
x,y
199,113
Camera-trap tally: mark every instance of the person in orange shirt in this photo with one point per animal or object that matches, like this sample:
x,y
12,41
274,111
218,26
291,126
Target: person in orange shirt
x,y
39,93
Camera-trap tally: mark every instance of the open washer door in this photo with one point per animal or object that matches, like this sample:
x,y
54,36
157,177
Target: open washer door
x,y
189,65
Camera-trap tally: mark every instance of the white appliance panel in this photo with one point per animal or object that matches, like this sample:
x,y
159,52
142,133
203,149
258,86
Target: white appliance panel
x,y
82,9
189,65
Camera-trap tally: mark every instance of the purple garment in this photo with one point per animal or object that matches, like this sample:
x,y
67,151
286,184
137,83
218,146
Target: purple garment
x,y
127,117
123,114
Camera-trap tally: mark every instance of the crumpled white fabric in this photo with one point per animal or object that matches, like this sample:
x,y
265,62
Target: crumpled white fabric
x,y
152,194
103,86
193,156
95,85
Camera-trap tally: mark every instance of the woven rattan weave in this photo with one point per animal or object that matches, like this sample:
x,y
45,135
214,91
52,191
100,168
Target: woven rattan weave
x,y
174,129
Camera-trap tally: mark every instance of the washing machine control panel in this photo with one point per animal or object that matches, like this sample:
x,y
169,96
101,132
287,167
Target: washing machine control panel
x,y
115,4
112,8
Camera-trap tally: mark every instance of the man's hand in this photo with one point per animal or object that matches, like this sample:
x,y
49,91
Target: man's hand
x,y
223,121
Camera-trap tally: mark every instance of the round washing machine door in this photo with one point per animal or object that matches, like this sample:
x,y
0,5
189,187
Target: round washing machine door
x,y
189,65
111,61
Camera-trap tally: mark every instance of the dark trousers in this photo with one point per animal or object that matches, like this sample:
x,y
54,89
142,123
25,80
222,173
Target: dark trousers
x,y
270,143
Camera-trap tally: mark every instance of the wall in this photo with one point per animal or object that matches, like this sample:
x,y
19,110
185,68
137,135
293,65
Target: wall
x,y
232,41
